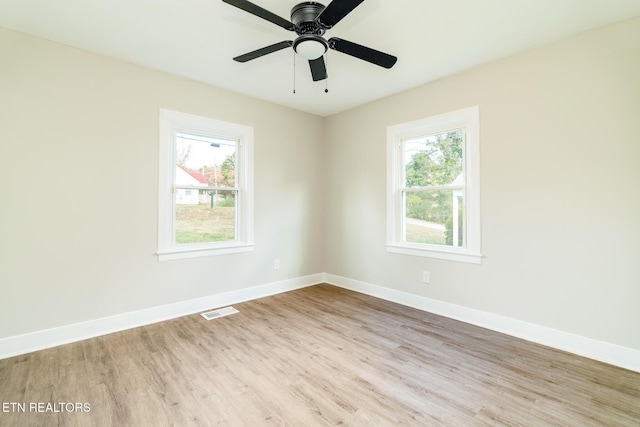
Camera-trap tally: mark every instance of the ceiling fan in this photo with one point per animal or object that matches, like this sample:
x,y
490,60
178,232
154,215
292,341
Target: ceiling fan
x,y
310,20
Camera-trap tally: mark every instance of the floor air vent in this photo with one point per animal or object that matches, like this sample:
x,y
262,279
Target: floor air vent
x,y
221,312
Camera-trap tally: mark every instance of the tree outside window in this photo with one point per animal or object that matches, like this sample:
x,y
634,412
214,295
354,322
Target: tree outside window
x,y
434,182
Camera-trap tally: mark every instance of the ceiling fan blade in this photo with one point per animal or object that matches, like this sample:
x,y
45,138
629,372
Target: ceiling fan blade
x,y
318,69
263,51
256,10
362,52
336,10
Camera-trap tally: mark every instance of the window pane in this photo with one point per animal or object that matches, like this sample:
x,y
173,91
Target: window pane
x,y
434,160
434,217
211,218
204,216
203,160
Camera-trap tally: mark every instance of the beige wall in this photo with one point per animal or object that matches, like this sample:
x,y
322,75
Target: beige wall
x,y
560,146
78,188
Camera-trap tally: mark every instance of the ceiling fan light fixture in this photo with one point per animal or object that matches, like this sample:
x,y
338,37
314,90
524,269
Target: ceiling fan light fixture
x,y
310,47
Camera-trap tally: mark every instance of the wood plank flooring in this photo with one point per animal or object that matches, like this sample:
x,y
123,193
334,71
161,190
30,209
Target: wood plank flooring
x,y
319,356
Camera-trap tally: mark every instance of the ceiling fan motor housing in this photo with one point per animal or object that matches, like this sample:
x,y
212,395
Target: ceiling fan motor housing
x,y
304,16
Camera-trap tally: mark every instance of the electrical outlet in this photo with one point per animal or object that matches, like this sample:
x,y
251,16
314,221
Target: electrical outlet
x,y
426,277
276,264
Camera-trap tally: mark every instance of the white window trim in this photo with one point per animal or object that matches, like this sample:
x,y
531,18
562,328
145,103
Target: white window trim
x,y
468,119
170,122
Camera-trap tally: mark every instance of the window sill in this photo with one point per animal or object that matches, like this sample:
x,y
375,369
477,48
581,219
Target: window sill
x,y
196,252
449,255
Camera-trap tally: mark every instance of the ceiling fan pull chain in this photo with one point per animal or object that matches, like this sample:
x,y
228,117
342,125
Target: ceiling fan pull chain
x,y
294,72
326,80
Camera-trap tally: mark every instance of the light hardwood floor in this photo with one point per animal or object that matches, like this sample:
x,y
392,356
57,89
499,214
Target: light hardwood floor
x,y
314,357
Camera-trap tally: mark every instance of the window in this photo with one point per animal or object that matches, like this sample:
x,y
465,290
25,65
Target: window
x,y
206,187
433,200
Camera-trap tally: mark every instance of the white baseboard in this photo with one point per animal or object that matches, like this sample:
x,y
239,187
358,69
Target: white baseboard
x,y
593,349
598,350
21,344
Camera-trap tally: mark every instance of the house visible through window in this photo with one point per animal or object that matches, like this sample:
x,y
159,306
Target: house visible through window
x,y
433,200
206,192
205,213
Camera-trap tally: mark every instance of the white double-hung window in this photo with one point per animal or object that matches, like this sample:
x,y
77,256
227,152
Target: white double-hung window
x,y
205,186
433,187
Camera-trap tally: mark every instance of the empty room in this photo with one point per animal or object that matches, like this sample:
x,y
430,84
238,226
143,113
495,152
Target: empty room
x,y
358,213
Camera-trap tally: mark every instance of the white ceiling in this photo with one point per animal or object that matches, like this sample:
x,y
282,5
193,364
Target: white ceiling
x,y
197,39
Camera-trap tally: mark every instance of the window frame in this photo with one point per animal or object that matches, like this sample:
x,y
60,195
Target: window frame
x,y
467,119
172,122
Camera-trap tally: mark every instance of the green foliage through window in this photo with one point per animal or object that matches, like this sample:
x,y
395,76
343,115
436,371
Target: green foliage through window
x,y
434,183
